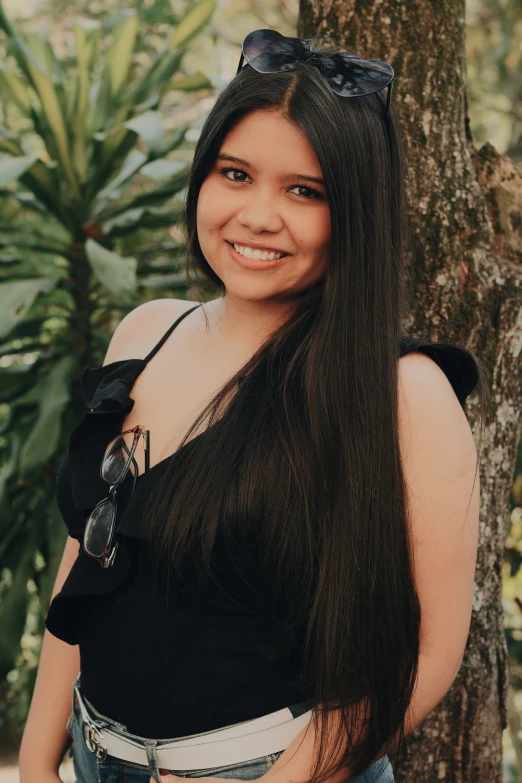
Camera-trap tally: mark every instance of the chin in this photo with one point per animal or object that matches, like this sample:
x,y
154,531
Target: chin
x,y
255,292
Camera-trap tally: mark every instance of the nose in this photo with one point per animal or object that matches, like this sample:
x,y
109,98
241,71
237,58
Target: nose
x,y
260,212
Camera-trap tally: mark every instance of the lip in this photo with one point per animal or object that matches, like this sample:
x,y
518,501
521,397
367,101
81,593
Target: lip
x,y
255,264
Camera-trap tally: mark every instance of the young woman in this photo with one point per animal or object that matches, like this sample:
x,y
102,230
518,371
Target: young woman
x,y
274,492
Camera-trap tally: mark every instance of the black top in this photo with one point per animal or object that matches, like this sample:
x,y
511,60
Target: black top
x,y
170,663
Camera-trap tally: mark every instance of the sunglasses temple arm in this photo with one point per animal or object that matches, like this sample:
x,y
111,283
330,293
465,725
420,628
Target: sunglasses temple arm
x,y
390,86
146,447
240,63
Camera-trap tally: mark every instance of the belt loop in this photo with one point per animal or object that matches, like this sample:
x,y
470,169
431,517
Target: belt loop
x,y
150,747
73,696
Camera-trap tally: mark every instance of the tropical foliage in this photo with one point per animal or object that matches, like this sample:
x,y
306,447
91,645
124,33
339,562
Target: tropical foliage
x,y
90,204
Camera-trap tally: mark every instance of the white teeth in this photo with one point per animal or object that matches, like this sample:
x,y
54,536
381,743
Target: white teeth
x,y
257,254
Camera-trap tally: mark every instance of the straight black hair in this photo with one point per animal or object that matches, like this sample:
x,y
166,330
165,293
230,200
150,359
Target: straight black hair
x,y
302,465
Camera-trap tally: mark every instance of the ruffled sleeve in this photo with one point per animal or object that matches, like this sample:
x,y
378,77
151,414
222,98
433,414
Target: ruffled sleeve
x,y
79,487
106,393
457,362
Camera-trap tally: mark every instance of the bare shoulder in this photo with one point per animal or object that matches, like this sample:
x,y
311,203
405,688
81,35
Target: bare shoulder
x,y
424,386
141,329
437,445
429,409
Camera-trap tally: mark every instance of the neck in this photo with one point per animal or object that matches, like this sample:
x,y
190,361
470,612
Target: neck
x,y
245,323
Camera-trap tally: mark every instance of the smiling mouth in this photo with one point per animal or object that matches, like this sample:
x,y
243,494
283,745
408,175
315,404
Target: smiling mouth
x,y
256,255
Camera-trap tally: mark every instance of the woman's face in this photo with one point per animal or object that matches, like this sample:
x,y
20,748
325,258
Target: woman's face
x,y
261,194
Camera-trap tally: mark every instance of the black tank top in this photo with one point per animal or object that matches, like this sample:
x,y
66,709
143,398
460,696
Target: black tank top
x,y
171,663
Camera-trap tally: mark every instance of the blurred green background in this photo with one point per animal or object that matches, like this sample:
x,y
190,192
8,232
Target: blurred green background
x,y
101,103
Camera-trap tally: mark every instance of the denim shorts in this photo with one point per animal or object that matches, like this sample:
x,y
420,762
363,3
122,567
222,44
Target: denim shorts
x,y
88,768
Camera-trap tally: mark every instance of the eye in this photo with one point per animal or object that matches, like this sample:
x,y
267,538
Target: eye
x,y
227,171
314,193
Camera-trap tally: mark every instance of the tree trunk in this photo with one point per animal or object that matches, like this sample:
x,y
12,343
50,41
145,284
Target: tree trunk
x,y
466,224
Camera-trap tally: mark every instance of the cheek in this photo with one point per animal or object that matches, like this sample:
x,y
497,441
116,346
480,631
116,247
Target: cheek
x,y
213,208
315,235
204,213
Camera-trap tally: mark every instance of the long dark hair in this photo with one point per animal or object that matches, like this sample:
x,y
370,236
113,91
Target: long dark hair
x,y
301,458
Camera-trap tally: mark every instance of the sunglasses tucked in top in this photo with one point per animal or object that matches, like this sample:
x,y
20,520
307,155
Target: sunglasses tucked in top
x,y
117,461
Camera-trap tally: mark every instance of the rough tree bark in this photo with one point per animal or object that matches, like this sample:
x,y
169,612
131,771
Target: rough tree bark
x,y
466,278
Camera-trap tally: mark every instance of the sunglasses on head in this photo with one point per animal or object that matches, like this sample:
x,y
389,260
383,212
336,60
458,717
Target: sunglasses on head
x,y
349,76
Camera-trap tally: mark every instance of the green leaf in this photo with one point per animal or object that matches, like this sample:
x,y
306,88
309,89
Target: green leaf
x,y
42,179
133,162
22,54
172,142
196,81
8,469
45,235
30,397
168,280
100,101
30,327
147,201
111,147
141,217
157,75
14,89
14,381
114,272
9,142
54,116
43,439
56,535
22,242
13,611
8,349
109,155
16,298
150,127
29,201
45,89
192,23
85,42
120,53
43,53
90,43
13,168
162,168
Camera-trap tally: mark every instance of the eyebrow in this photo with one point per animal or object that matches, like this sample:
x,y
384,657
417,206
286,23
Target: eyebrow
x,y
286,175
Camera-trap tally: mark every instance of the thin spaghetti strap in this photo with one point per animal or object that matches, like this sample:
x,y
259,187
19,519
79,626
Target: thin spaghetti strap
x,y
168,333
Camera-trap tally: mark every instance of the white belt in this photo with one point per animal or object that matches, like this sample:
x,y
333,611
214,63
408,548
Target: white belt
x,y
242,742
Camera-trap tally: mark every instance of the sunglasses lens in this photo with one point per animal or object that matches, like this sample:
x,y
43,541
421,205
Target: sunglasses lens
x,y
351,76
268,51
99,529
118,459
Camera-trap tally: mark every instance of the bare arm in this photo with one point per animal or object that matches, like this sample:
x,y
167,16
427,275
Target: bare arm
x,y
45,737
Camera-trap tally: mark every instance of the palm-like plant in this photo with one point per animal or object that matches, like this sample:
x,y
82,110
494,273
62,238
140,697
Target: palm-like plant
x,y
66,210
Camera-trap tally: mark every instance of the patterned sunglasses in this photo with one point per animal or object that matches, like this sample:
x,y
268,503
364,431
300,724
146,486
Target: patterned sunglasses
x,y
267,51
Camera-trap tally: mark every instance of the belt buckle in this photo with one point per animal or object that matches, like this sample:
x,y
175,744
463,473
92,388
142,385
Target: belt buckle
x,y
93,740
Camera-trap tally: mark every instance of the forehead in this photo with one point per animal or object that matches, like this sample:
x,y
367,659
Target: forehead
x,y
270,142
